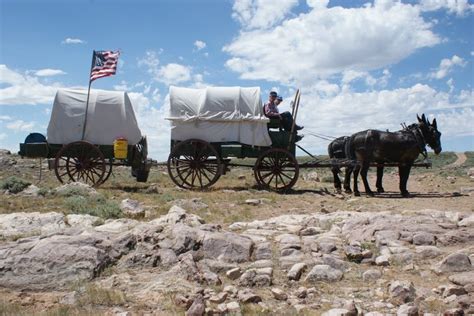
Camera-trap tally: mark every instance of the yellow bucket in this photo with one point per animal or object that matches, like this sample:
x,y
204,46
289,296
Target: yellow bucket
x,y
120,148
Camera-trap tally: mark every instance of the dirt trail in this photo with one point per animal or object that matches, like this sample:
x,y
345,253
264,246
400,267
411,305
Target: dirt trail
x,y
460,161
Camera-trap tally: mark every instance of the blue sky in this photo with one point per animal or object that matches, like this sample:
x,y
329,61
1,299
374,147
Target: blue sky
x,y
359,64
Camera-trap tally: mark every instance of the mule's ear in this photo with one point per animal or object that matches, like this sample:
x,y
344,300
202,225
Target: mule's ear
x,y
423,118
434,124
419,119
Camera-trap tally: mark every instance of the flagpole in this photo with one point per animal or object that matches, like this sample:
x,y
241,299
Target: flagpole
x,y
88,95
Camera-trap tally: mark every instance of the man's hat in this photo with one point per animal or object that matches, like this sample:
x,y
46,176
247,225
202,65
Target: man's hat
x,y
273,94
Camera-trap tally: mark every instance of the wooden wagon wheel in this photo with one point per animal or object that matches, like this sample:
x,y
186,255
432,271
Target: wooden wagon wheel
x,y
108,171
80,161
194,164
276,169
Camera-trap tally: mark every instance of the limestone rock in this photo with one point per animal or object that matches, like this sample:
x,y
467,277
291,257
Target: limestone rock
x,y
336,312
176,215
197,308
31,224
132,208
296,271
56,261
354,253
83,220
427,252
383,260
229,247
233,307
247,296
324,272
219,298
234,274
401,292
407,310
371,275
453,290
424,238
455,262
467,221
462,278
279,294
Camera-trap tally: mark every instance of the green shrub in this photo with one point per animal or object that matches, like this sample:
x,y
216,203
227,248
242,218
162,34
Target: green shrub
x,y
14,184
93,205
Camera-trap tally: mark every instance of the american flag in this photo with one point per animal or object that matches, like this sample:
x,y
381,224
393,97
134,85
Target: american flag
x,y
104,63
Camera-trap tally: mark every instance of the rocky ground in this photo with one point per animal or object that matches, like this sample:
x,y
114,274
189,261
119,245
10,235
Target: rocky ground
x,y
136,249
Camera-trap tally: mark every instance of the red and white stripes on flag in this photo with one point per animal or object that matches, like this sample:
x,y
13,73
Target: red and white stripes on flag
x,y
104,63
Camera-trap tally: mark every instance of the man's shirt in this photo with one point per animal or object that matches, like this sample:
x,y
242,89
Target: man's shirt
x,y
271,109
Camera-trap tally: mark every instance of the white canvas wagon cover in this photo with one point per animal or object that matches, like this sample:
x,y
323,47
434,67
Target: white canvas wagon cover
x,y
110,115
219,114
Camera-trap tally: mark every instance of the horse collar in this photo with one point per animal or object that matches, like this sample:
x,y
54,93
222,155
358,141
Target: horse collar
x,y
420,139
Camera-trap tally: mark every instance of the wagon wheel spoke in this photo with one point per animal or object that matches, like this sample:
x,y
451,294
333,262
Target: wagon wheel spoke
x,y
81,161
194,164
276,169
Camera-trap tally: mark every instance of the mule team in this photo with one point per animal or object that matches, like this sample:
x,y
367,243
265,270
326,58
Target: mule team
x,y
373,146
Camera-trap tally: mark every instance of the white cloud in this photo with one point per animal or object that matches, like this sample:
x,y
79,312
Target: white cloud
x,y
24,89
49,72
347,112
458,7
446,65
261,13
327,41
173,74
199,45
20,126
70,40
150,61
5,118
3,136
151,120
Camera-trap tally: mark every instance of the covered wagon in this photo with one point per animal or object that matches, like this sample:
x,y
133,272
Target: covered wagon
x,y
84,146
212,125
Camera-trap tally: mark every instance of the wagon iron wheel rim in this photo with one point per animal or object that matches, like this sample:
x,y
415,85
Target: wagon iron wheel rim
x,y
277,170
194,164
81,161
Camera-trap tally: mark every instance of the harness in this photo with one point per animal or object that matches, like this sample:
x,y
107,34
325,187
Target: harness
x,y
416,131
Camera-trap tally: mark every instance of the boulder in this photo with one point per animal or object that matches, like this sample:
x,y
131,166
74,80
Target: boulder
x,y
407,310
55,262
132,208
427,252
279,294
324,272
176,215
229,247
83,220
197,308
337,312
31,224
296,271
462,278
455,262
467,221
371,275
247,296
401,292
424,238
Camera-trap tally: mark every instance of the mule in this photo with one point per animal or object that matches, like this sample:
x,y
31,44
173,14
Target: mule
x,y
336,150
402,147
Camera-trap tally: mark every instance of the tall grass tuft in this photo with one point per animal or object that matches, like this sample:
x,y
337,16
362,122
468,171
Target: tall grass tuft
x,y
14,184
